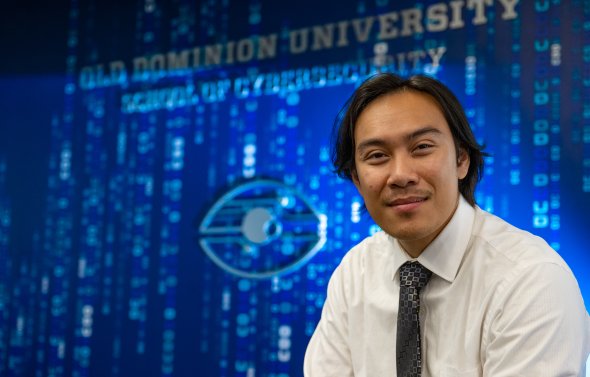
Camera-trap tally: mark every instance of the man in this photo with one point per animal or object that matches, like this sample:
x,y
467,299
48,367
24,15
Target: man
x,y
445,289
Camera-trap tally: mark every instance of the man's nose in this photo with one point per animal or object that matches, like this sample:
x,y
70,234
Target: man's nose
x,y
402,171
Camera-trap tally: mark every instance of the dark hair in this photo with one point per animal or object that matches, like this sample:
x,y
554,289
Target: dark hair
x,y
343,145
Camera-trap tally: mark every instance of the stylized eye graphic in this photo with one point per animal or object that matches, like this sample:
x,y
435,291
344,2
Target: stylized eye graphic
x,y
262,228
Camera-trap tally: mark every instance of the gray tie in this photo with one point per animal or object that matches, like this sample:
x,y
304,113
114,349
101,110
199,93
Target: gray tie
x,y
413,277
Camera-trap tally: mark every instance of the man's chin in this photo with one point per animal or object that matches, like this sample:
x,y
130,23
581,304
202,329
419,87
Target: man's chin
x,y
409,234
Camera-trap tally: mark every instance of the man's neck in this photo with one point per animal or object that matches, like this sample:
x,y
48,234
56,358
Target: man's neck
x,y
415,247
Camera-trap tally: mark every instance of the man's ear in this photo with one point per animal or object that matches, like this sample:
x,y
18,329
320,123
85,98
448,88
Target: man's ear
x,y
463,161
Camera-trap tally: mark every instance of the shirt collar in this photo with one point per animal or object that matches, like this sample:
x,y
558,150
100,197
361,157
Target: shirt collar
x,y
444,254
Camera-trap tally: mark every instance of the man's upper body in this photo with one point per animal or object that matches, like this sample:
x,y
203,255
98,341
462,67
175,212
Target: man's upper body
x,y
500,302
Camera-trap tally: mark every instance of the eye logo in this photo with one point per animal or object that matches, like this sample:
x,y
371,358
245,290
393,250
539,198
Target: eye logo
x,y
262,228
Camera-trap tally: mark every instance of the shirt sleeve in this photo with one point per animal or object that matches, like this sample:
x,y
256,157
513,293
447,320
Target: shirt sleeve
x,y
328,352
539,326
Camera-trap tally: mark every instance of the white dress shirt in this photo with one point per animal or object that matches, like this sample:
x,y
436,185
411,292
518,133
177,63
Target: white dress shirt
x,y
500,302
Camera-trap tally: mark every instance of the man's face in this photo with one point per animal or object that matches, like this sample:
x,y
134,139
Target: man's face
x,y
407,167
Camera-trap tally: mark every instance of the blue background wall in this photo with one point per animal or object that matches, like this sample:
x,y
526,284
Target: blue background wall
x,y
126,173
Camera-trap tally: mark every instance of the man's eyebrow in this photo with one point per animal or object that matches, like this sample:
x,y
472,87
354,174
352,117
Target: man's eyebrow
x,y
377,142
422,131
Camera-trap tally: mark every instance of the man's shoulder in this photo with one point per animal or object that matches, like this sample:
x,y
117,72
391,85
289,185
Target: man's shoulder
x,y
507,241
374,243
371,249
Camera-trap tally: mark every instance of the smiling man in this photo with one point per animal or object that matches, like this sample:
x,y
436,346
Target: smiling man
x,y
445,289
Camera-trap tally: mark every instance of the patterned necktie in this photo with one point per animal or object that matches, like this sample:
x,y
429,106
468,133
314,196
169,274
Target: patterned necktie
x,y
413,277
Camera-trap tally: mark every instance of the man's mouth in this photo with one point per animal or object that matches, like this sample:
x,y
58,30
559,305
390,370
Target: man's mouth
x,y
407,200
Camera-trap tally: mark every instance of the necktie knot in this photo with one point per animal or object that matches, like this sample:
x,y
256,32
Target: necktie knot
x,y
413,274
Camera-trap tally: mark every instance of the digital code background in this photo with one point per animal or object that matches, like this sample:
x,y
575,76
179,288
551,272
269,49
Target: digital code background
x,y
167,202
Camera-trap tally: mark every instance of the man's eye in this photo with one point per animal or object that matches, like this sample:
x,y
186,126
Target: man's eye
x,y
423,147
375,156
